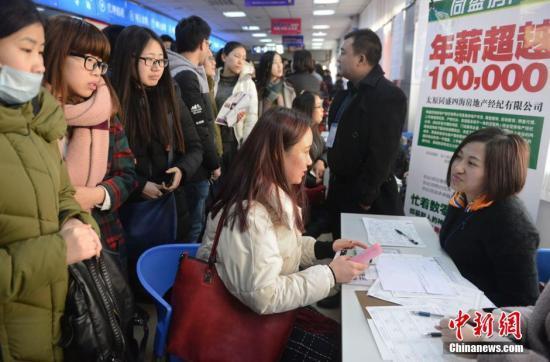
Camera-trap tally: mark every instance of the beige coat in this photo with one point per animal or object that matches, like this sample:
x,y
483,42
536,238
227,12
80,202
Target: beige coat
x,y
261,265
288,97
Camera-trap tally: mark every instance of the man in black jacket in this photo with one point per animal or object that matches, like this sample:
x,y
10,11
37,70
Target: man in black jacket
x,y
192,43
365,121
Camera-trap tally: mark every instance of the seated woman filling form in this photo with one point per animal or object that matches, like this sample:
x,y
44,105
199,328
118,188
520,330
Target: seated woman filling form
x,y
261,247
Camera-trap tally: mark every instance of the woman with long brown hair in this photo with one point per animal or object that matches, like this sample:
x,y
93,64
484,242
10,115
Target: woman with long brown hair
x,y
160,130
261,247
99,161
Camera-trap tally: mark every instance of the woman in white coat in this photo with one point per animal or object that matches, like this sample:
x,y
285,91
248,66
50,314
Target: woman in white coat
x,y
235,76
261,247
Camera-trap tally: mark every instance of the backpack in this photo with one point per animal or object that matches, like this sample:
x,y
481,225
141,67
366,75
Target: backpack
x,y
100,314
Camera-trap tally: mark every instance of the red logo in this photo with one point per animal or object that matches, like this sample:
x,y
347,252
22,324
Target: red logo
x,y
508,324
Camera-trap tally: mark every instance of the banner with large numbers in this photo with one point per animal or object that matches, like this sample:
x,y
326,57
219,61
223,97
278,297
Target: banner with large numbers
x,y
486,64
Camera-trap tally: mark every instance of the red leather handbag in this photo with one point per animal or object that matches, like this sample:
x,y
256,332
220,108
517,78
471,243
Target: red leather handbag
x,y
210,324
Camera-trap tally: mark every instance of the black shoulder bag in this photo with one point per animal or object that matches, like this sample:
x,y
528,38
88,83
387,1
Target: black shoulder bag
x,y
100,314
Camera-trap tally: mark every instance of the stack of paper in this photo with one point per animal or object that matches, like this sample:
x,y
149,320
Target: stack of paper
x,y
419,280
396,233
369,276
413,274
467,298
401,335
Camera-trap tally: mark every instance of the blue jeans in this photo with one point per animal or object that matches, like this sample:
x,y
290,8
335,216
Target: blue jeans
x,y
196,194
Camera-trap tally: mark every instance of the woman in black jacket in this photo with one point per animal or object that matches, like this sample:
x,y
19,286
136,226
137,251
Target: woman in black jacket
x,y
311,105
159,126
487,232
316,215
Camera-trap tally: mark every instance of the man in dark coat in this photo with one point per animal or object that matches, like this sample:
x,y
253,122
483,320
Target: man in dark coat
x,y
365,121
192,43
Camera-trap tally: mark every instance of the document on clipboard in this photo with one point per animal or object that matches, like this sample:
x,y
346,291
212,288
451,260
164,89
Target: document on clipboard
x,y
235,104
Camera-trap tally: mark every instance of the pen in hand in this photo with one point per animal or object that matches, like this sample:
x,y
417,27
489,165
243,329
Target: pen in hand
x,y
406,236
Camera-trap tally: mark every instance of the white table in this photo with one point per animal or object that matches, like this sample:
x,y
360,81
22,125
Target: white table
x,y
357,341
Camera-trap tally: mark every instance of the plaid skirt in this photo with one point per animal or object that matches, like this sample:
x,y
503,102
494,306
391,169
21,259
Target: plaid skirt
x,y
313,338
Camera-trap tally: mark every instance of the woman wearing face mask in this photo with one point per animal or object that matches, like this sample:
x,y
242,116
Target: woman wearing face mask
x,y
487,231
42,228
159,126
273,89
235,76
99,160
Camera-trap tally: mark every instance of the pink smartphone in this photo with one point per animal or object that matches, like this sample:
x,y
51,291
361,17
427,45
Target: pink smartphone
x,y
368,254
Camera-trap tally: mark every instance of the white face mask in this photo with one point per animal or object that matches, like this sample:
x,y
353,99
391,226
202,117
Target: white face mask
x,y
17,86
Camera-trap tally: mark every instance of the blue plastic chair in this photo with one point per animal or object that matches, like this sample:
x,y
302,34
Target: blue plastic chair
x,y
156,270
543,264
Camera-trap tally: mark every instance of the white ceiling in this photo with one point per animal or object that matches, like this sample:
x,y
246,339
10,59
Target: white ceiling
x,y
230,28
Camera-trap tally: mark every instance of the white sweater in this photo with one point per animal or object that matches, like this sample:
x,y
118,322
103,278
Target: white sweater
x,y
261,266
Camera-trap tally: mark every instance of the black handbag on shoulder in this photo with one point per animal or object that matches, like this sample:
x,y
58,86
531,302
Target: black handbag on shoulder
x,y
100,314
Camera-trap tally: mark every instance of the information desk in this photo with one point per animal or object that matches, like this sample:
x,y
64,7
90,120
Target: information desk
x,y
357,340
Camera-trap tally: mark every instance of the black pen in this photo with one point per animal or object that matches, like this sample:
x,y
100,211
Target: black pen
x,y
421,313
405,235
433,334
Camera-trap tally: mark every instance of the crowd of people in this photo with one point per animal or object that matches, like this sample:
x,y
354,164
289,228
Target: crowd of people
x,y
92,121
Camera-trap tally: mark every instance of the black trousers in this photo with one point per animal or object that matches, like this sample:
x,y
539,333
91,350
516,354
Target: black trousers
x,y
344,197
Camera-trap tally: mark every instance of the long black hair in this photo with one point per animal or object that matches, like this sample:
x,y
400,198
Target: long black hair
x,y
264,72
305,103
226,50
139,105
17,14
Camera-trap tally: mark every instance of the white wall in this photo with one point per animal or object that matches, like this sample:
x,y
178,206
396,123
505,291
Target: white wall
x,y
378,13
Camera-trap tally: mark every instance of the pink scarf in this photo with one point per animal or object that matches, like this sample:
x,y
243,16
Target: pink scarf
x,y
88,148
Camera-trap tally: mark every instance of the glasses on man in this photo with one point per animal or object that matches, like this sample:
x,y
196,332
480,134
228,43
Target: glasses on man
x,y
149,62
91,63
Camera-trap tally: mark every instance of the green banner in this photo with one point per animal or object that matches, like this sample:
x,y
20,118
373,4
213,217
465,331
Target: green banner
x,y
446,9
444,129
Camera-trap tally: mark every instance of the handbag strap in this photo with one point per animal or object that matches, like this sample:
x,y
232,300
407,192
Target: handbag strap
x,y
212,257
